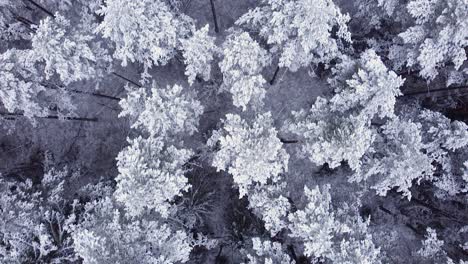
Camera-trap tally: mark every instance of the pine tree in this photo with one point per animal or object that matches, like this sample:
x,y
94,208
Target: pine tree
x,y
268,252
365,86
150,176
436,39
331,137
400,160
145,31
163,112
106,235
21,84
251,153
35,220
241,66
315,225
198,52
299,31
67,52
445,142
269,204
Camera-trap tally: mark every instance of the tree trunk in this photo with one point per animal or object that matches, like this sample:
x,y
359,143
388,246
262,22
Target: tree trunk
x,y
42,8
50,86
213,10
436,90
126,79
11,116
291,141
272,81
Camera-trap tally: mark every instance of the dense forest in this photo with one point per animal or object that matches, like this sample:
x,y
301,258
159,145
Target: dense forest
x,y
242,131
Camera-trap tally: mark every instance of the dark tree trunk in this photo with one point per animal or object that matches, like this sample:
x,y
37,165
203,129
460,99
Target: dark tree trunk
x,y
53,87
41,8
273,79
127,79
435,90
215,19
97,95
11,116
290,141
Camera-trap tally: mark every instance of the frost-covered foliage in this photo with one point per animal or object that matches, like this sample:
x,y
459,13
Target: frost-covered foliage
x,y
21,83
300,31
377,13
251,153
34,227
10,27
445,140
438,37
24,90
315,224
106,235
357,246
366,86
144,31
152,186
432,248
198,52
270,205
268,252
163,112
66,51
330,137
400,160
409,151
150,176
338,129
241,66
326,234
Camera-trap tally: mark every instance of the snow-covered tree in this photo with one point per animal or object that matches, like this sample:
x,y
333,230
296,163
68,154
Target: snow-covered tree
x,y
268,252
65,51
34,220
268,203
400,159
357,245
144,31
315,225
12,25
445,140
241,66
432,247
377,14
339,129
365,86
163,112
251,153
437,38
150,176
106,235
331,137
21,84
198,52
300,31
